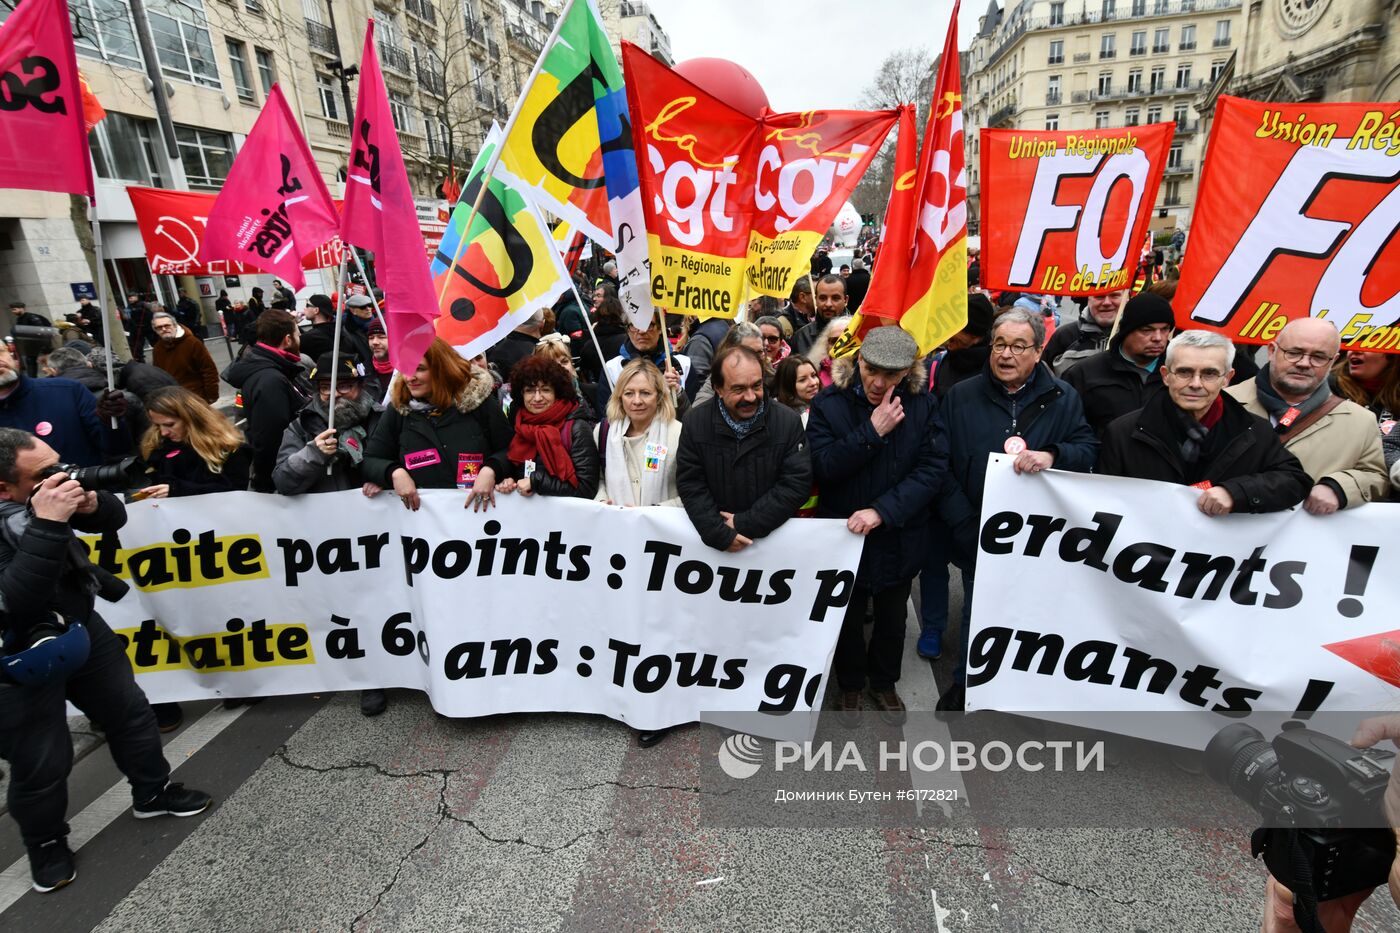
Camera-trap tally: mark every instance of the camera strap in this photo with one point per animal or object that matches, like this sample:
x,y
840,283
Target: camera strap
x,y
1304,894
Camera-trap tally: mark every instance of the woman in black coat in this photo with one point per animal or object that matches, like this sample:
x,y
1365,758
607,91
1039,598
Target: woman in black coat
x,y
190,449
553,452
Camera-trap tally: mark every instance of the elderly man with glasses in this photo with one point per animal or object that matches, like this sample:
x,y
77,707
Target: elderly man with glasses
x,y
1334,438
1015,406
1196,435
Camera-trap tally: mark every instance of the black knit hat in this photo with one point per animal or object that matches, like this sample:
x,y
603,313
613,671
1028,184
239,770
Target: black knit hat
x,y
1144,310
323,304
980,315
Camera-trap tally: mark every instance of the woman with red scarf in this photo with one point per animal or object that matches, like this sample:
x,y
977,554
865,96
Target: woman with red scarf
x,y
553,452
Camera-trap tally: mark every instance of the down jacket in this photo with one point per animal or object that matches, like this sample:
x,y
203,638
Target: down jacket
x,y
431,445
897,475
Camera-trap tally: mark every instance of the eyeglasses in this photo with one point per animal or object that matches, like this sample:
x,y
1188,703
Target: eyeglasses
x,y
771,339
1015,349
342,387
1294,355
1188,375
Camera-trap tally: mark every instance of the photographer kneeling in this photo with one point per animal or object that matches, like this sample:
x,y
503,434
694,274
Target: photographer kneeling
x,y
47,588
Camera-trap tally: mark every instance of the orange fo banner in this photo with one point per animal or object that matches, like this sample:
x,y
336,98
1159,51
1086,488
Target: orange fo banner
x,y
734,201
1297,216
1068,210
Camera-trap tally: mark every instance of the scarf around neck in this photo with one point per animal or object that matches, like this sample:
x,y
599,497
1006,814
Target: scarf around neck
x,y
742,428
618,479
541,438
1277,407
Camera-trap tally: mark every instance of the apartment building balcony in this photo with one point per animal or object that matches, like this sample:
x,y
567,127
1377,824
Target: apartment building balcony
x,y
523,37
1073,19
1181,168
395,58
476,32
485,98
421,9
321,38
431,81
1003,115
1052,97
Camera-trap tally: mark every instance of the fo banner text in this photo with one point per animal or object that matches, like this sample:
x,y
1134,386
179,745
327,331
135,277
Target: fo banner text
x,y
1073,207
544,605
1308,231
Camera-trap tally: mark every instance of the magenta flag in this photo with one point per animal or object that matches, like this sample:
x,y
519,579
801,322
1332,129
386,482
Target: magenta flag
x,y
43,140
380,216
274,208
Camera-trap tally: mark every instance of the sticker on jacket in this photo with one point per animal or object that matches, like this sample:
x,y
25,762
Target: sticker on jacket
x,y
468,465
422,458
653,456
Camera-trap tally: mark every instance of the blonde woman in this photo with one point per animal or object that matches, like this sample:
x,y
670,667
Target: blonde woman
x,y
637,443
190,449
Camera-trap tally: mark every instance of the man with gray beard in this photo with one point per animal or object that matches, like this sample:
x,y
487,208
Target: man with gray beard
x,y
309,447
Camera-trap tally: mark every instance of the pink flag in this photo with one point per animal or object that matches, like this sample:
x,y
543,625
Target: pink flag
x,y
274,207
43,141
380,216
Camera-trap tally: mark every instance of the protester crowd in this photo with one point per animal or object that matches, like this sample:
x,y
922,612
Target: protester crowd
x,y
745,425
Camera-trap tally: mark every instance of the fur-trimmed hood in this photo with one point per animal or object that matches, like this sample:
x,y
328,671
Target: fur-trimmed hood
x,y
477,390
843,374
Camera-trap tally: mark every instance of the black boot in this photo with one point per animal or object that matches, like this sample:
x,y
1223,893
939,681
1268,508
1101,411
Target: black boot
x,y
373,702
648,738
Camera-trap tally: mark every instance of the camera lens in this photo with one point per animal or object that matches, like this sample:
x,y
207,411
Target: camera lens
x,y
1240,758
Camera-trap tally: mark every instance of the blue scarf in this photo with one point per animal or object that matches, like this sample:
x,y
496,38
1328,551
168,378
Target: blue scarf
x,y
741,428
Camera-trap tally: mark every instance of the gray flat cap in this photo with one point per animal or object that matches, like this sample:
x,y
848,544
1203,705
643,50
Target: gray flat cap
x,y
889,347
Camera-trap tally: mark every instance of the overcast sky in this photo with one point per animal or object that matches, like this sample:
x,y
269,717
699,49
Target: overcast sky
x,y
810,54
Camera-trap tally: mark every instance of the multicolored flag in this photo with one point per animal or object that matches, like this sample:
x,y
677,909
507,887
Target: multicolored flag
x,y
43,140
274,207
380,215
935,297
507,267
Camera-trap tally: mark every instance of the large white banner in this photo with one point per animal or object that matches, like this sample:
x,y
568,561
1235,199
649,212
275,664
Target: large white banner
x,y
1100,593
537,605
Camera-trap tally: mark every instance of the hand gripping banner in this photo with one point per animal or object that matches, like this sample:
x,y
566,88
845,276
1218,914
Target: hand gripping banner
x,y
1068,209
1309,230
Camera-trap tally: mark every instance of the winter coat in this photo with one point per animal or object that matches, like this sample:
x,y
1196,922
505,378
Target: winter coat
x,y
319,338
1073,342
897,475
1110,386
583,451
812,333
704,340
978,415
184,470
611,336
857,284
274,390
188,361
435,449
141,379
1342,449
64,415
1247,458
301,467
958,366
761,478
513,348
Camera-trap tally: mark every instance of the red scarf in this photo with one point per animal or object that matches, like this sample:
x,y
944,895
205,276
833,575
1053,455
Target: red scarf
x,y
1213,414
541,438
286,355
383,367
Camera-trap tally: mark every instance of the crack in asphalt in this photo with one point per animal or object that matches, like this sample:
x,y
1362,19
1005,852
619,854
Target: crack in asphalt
x,y
444,813
1083,890
690,787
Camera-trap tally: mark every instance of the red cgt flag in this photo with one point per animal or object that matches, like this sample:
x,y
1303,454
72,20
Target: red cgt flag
x,y
274,207
43,141
380,215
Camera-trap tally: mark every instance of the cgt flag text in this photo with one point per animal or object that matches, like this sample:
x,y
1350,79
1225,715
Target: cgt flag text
x,y
1071,208
1310,230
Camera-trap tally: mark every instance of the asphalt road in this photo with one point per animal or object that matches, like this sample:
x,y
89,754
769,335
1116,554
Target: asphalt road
x,y
327,821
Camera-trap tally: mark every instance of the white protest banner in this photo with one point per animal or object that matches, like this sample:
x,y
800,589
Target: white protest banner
x,y
537,605
1101,593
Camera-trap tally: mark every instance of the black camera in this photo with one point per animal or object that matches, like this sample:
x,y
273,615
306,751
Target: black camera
x,y
1325,834
113,477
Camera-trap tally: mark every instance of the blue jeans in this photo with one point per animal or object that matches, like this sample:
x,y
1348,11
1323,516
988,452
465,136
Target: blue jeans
x,y
34,736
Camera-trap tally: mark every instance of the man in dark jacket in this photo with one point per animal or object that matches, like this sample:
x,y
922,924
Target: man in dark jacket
x,y
319,338
1078,340
309,447
1018,407
43,572
274,389
831,303
1196,435
517,344
879,456
857,284
967,350
700,348
743,467
64,414
34,335
189,315
1126,375
799,309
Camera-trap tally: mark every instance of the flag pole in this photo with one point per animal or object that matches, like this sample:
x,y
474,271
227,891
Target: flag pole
x,y
505,135
374,302
102,296
335,351
665,340
588,325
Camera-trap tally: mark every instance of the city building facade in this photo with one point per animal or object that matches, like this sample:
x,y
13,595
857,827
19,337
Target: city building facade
x,y
635,22
451,69
1087,64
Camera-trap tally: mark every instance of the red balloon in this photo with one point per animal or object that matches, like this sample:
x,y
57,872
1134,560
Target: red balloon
x,y
729,82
